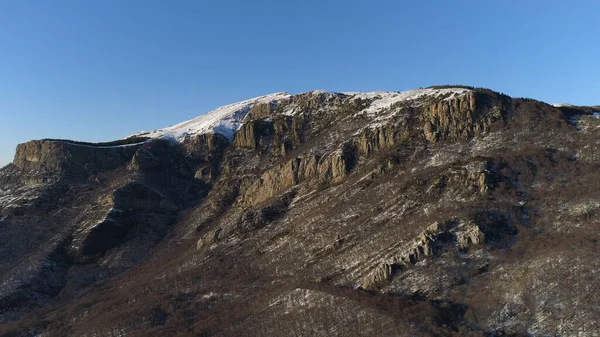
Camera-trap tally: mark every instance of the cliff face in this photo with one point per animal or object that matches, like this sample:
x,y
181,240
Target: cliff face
x,y
440,211
71,159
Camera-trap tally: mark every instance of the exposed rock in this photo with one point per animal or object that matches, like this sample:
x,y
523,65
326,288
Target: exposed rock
x,y
458,118
309,101
71,160
279,179
288,133
483,182
204,153
375,139
327,169
333,167
379,277
254,134
469,235
438,237
206,147
262,111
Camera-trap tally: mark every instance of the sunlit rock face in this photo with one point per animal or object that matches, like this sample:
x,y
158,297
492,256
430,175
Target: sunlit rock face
x,y
446,211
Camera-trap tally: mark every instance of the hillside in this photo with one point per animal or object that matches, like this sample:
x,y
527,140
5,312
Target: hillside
x,y
445,211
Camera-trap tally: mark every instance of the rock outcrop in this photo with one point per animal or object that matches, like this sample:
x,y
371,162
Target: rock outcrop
x,y
387,136
288,133
459,118
70,159
254,134
435,239
314,169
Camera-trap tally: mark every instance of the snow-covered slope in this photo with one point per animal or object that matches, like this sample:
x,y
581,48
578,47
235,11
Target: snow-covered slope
x,y
225,120
228,119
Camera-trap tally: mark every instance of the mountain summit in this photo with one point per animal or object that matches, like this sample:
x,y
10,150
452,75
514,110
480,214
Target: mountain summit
x,y
445,211
228,119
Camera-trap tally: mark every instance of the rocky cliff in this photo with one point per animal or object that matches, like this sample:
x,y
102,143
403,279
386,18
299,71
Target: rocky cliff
x,y
435,212
65,158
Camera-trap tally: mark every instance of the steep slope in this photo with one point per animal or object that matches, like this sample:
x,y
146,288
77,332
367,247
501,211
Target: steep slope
x,y
438,211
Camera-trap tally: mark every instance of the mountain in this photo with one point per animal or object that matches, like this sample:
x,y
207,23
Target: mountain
x,y
445,211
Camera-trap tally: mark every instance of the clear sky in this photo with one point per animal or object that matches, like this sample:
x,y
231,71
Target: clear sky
x,y
98,70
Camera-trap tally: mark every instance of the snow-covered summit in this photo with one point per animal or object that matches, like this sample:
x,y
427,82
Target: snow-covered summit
x,y
225,120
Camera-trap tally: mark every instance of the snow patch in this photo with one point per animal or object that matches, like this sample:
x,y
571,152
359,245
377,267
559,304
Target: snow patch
x,y
383,100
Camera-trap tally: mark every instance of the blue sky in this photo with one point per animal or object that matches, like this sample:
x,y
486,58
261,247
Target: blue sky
x,y
101,70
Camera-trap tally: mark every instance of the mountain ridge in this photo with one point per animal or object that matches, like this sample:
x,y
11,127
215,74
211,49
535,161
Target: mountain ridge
x,y
213,120
428,212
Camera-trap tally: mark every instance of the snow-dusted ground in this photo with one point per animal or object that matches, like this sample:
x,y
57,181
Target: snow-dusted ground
x,y
585,123
228,119
15,196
